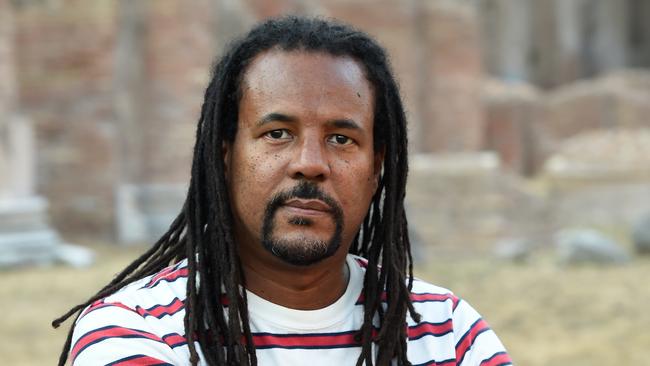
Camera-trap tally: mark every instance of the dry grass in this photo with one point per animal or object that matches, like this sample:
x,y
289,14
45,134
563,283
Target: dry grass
x,y
33,297
545,314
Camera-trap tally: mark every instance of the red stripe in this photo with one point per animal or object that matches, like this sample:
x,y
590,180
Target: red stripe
x,y
362,262
174,340
160,310
497,359
339,339
431,297
325,340
454,302
101,334
112,332
170,276
164,272
468,339
420,298
140,361
100,304
430,328
96,305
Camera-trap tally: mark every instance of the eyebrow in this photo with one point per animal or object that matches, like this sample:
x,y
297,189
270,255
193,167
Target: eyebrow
x,y
275,117
280,117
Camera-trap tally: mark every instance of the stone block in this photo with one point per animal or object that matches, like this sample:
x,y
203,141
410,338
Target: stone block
x,y
465,203
621,99
65,58
512,118
600,178
145,212
506,34
20,215
641,234
581,246
26,237
453,117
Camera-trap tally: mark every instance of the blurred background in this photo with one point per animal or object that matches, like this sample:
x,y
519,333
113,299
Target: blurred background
x,y
529,187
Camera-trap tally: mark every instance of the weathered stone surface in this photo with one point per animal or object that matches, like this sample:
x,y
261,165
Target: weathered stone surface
x,y
145,211
27,238
80,64
641,234
65,60
621,99
556,42
180,49
600,178
615,153
639,33
577,246
512,120
454,120
7,93
465,203
7,60
514,249
506,28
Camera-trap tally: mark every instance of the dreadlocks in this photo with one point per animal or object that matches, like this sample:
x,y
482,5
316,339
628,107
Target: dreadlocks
x,y
202,232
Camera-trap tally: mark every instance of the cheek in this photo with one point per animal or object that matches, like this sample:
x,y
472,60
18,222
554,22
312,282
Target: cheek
x,y
358,189
254,176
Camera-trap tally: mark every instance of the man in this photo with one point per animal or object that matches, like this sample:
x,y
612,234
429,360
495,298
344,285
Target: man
x,y
299,166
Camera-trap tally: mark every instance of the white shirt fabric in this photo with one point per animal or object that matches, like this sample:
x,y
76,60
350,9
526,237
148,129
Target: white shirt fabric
x,y
142,324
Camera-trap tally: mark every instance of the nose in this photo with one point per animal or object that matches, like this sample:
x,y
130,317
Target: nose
x,y
309,161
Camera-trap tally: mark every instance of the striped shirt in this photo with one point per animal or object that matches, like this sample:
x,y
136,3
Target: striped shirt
x,y
142,324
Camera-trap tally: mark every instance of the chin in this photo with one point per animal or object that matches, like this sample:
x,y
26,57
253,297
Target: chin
x,y
301,252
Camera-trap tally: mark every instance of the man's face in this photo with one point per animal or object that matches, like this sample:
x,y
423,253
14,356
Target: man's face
x,y
301,170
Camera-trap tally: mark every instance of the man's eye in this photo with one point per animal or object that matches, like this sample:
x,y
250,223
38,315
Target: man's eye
x,y
278,134
340,140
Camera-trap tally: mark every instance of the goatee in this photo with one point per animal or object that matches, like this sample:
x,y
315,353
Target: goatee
x,y
302,251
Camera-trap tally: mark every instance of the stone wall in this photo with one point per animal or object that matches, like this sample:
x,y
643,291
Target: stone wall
x,y
551,43
620,99
65,58
7,92
601,178
513,114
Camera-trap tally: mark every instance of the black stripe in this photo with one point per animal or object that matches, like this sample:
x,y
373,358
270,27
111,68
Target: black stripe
x,y
135,357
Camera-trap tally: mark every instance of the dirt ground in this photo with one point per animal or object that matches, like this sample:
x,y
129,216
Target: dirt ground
x,y
545,314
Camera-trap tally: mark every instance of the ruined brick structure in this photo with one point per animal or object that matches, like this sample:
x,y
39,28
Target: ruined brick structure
x,y
114,87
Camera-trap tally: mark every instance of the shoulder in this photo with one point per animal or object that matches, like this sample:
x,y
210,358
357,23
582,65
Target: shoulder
x,y
149,311
156,295
451,321
424,295
450,331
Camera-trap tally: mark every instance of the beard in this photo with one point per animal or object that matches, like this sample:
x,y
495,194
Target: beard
x,y
301,251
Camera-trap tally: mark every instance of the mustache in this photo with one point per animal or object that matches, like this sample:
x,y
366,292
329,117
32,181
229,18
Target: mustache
x,y
303,190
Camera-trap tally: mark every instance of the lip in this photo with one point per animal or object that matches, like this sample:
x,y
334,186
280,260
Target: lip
x,y
308,207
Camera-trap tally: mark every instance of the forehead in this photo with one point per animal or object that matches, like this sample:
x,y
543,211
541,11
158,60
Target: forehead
x,y
314,81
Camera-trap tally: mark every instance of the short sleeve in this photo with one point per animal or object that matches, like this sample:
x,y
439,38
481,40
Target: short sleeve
x,y
114,334
476,343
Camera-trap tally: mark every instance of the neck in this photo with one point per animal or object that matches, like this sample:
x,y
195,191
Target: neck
x,y
296,287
